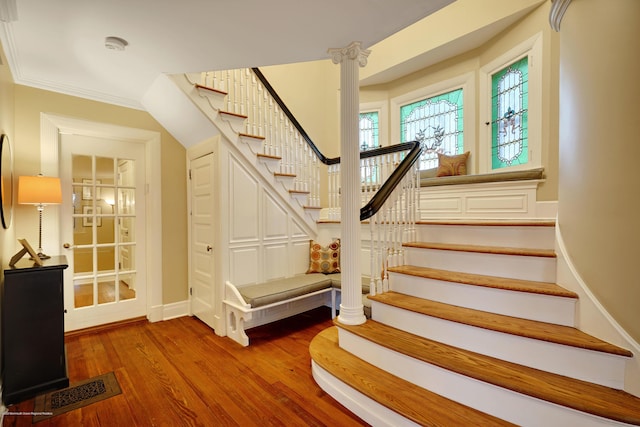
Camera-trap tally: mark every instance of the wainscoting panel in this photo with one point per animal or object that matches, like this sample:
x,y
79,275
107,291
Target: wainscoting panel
x,y
275,218
299,261
245,265
508,199
243,204
275,261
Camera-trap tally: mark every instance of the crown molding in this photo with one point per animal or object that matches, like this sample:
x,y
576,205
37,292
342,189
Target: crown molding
x,y
558,8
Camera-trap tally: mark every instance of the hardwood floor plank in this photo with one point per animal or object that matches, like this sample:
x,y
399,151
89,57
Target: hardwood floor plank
x,y
178,372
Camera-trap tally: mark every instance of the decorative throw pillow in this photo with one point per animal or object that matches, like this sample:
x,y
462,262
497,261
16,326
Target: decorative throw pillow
x,y
452,165
324,259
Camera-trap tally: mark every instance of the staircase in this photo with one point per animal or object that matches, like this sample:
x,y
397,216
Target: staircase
x,y
474,331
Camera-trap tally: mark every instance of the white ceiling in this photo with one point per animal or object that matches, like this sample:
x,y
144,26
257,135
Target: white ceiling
x,y
60,45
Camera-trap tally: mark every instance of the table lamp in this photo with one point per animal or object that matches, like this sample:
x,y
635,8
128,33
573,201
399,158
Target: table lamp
x,y
39,191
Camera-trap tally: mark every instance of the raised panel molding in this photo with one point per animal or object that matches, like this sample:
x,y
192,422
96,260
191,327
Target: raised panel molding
x,y
243,208
515,199
274,218
239,259
275,261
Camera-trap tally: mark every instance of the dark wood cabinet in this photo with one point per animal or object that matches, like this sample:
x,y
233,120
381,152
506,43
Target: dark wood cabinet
x,y
33,352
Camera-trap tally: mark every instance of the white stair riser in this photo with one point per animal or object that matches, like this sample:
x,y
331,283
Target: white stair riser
x,y
540,269
594,366
512,236
543,308
508,405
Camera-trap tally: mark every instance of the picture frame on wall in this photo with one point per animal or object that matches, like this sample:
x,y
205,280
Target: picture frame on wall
x,y
87,189
87,221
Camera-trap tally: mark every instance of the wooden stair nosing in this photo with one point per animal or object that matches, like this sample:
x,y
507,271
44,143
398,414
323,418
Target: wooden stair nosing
x,y
284,175
409,400
248,135
211,89
580,395
548,332
229,113
317,208
268,156
499,250
491,222
517,285
299,192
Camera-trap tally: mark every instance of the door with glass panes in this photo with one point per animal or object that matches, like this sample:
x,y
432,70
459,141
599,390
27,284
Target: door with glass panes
x,y
103,230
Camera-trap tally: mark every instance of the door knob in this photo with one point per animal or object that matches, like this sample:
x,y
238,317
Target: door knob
x,y
66,246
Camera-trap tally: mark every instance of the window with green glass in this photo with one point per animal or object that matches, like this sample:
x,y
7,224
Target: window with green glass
x,y
437,122
509,115
369,130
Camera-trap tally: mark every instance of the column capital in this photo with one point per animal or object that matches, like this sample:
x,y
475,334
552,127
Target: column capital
x,y
352,52
558,8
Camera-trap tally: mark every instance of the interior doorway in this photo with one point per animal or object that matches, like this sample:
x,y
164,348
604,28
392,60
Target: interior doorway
x,y
52,127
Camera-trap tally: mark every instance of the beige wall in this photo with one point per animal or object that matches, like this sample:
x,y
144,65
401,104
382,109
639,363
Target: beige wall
x,y
7,237
311,90
30,102
599,184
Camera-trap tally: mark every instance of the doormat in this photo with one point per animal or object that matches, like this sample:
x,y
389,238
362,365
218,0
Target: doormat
x,y
76,396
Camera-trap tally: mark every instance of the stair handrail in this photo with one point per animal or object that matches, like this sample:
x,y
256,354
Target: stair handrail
x,y
383,193
390,184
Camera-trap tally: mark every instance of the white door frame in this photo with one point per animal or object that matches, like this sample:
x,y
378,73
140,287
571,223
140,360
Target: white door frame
x,y
50,127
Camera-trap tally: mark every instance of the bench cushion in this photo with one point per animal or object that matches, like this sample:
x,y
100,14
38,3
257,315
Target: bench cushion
x,y
259,294
427,178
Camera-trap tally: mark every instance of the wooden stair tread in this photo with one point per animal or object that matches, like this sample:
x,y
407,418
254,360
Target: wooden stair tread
x,y
518,285
299,192
580,395
399,395
284,175
229,113
548,332
491,222
221,92
268,156
248,135
501,250
312,207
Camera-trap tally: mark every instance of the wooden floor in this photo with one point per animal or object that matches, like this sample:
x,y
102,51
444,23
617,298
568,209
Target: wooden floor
x,y
178,372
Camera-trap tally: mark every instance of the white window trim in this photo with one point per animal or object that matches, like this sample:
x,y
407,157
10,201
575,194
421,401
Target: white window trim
x,y
467,83
533,49
382,108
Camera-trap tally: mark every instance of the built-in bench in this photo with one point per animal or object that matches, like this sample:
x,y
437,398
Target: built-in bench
x,y
252,305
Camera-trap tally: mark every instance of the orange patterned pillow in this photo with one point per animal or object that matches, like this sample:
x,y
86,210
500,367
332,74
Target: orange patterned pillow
x,y
452,165
324,259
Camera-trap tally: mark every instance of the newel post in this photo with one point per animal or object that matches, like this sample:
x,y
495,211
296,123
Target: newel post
x,y
350,59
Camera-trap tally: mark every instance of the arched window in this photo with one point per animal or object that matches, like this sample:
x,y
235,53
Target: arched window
x,y
510,115
437,122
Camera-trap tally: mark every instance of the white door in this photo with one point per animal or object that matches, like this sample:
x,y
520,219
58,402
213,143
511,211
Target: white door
x,y
103,230
202,239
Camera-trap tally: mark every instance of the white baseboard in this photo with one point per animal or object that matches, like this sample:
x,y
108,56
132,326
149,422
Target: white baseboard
x,y
176,309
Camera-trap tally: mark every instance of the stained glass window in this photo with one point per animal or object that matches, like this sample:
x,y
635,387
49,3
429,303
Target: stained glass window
x,y
369,130
509,115
436,122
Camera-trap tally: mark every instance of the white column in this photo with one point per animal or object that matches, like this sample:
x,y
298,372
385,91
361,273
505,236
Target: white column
x,y
350,59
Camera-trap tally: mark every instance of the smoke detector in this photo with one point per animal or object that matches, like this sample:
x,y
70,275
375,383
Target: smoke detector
x,y
115,43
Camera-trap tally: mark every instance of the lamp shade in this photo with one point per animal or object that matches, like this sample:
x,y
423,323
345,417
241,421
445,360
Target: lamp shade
x,y
39,190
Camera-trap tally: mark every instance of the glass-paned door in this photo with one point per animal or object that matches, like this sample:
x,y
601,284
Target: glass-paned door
x,y
438,123
509,115
103,182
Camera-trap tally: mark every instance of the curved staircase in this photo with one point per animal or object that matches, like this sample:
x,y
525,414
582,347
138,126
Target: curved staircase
x,y
474,331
